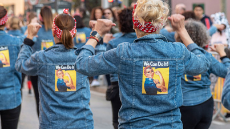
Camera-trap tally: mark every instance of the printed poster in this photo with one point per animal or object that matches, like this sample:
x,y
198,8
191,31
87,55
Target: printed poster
x,y
81,37
65,78
192,78
4,57
46,44
155,78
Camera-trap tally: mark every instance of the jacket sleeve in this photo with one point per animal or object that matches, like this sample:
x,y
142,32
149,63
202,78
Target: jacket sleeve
x,y
219,69
26,62
195,60
103,63
212,30
226,92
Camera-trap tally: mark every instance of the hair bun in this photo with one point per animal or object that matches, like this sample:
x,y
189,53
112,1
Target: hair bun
x,y
66,11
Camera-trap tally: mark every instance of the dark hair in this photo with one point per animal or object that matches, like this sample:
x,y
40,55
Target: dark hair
x,y
92,16
79,21
3,12
125,20
66,23
83,11
114,17
189,15
47,17
200,6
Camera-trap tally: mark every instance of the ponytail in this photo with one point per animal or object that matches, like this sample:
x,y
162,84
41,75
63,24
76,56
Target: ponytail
x,y
66,39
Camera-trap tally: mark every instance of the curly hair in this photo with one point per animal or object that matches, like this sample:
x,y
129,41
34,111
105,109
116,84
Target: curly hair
x,y
155,11
197,32
125,20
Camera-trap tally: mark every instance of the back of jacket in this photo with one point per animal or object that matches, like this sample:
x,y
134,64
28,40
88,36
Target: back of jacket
x,y
149,75
10,80
44,40
64,93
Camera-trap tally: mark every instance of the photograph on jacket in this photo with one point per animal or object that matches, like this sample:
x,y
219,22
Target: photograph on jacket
x,y
155,77
81,37
65,78
4,57
46,44
192,78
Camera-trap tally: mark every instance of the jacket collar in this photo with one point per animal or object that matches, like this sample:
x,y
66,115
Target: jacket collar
x,y
151,38
2,32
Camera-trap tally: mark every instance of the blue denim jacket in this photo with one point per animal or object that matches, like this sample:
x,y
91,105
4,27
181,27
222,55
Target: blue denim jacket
x,y
128,37
196,89
81,36
44,40
10,80
226,92
131,61
171,35
60,107
15,32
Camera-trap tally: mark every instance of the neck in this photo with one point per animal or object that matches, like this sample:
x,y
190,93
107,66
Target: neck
x,y
56,40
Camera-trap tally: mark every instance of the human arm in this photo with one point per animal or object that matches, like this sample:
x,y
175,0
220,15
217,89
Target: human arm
x,y
226,92
4,60
26,62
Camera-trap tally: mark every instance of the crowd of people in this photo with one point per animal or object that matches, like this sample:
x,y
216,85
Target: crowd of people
x,y
157,66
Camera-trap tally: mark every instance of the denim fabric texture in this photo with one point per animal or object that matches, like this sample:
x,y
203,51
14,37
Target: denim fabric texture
x,y
15,32
139,110
226,92
59,108
10,80
197,90
82,36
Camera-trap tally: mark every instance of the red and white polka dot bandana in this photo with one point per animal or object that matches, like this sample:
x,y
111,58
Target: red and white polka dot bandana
x,y
148,26
58,31
4,20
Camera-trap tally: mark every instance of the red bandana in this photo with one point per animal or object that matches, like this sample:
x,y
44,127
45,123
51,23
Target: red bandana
x,y
147,28
4,20
58,31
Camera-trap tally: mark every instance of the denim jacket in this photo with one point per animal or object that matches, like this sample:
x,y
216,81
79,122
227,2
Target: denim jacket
x,y
127,37
171,35
150,56
10,80
44,40
82,36
15,32
196,89
226,92
61,107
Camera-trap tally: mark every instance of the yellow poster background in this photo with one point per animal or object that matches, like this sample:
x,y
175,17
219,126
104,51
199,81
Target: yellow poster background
x,y
46,44
82,37
164,73
6,54
72,74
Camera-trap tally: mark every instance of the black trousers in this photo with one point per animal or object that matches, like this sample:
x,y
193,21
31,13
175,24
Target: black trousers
x,y
9,118
34,80
197,117
116,105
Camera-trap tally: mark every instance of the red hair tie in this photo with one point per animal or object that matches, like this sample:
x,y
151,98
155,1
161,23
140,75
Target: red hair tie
x,y
58,31
4,20
148,26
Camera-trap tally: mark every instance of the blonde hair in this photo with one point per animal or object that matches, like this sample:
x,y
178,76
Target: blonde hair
x,y
14,23
154,11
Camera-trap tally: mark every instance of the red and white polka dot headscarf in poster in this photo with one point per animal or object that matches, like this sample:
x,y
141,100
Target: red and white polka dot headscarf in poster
x,y
3,20
148,26
58,31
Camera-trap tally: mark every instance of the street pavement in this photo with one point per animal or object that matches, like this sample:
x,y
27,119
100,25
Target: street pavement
x,y
101,109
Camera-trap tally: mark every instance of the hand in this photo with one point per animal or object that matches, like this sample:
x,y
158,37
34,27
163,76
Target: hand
x,y
103,26
67,74
92,24
66,81
33,30
107,38
219,48
220,27
158,73
177,22
72,87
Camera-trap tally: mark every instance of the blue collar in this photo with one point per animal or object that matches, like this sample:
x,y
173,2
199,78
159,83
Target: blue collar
x,y
151,38
2,32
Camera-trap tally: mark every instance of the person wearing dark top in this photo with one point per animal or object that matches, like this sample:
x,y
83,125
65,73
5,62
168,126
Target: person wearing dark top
x,y
199,13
